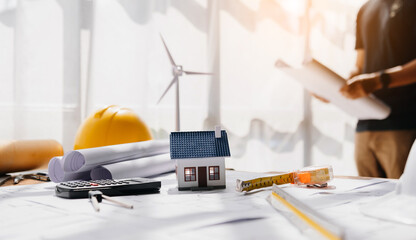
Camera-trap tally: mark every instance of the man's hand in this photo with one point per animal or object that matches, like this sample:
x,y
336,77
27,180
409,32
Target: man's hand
x,y
319,98
361,85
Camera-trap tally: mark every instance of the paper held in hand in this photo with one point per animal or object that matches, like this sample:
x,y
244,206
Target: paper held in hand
x,y
323,82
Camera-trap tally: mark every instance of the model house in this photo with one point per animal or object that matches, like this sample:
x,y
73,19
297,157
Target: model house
x,y
200,158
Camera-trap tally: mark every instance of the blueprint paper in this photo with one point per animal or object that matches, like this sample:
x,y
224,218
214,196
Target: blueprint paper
x,y
166,215
142,167
87,159
57,174
321,81
397,208
173,214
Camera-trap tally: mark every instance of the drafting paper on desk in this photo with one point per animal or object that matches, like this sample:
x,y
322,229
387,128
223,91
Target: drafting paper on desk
x,y
57,174
213,214
319,80
399,206
87,159
345,191
142,167
164,214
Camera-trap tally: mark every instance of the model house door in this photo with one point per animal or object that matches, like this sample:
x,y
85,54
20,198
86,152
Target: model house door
x,y
202,176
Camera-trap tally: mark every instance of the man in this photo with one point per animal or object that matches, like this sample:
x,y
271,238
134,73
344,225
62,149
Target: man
x,y
386,59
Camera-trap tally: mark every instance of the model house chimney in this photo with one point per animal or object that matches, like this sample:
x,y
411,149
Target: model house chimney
x,y
217,131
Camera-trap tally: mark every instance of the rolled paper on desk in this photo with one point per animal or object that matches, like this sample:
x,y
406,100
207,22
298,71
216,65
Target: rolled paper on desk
x,y
143,167
86,159
320,80
22,155
57,174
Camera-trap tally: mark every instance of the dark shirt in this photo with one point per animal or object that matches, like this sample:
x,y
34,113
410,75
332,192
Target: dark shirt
x,y
386,30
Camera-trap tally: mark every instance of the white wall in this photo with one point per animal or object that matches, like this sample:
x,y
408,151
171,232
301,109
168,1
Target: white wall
x,y
274,125
61,61
200,162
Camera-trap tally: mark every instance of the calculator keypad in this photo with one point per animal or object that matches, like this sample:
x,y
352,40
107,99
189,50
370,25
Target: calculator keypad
x,y
93,183
109,187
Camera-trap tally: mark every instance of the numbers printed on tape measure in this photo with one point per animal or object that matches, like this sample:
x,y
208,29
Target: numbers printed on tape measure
x,y
264,182
310,176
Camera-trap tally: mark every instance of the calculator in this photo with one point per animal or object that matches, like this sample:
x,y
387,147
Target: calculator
x,y
110,187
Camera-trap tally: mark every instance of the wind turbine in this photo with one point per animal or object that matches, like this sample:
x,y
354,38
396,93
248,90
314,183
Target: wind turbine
x,y
177,71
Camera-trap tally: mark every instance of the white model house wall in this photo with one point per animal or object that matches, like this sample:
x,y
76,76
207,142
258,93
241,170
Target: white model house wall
x,y
200,162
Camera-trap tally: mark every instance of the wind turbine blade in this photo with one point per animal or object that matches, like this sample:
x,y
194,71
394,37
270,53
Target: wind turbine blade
x,y
167,89
167,50
196,73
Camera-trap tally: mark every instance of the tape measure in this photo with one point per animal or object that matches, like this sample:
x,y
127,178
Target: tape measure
x,y
310,176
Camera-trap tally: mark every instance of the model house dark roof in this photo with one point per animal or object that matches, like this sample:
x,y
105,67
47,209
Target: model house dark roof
x,y
201,144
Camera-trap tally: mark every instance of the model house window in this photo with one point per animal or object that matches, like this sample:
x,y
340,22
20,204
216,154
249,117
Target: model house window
x,y
190,174
214,173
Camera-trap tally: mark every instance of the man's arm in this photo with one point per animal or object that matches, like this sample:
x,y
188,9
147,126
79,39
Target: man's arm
x,y
364,84
402,75
359,63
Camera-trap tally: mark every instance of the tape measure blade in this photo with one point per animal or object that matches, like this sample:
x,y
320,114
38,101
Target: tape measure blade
x,y
258,183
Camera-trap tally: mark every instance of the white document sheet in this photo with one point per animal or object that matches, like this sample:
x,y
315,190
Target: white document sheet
x,y
87,159
142,167
321,81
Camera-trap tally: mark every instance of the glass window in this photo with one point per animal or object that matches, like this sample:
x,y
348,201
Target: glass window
x,y
190,174
214,173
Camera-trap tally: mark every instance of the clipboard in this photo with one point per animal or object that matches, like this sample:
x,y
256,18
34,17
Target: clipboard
x,y
318,79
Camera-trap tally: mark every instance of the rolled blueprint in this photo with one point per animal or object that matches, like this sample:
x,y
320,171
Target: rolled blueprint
x,y
143,167
86,159
22,155
57,174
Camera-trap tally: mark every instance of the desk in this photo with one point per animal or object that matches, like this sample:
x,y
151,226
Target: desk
x,y
33,212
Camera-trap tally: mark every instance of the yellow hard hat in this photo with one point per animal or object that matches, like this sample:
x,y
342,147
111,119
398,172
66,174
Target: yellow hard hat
x,y
109,126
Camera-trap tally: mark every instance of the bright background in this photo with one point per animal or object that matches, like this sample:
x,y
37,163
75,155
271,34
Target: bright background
x,y
60,60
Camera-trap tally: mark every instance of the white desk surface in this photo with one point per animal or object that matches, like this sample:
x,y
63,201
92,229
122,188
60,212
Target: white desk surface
x,y
34,212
